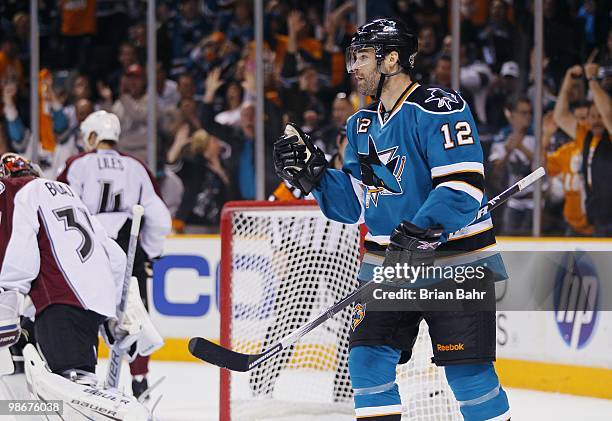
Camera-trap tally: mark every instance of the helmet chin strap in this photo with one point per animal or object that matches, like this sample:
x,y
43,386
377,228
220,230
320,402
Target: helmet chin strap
x,y
381,82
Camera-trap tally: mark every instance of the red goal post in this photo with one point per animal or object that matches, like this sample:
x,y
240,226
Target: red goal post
x,y
225,303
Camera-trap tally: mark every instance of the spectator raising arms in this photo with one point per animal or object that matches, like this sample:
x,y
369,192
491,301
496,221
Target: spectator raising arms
x,y
304,81
206,180
566,162
594,143
242,140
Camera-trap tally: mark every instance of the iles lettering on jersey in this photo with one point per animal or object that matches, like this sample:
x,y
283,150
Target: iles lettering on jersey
x,y
110,163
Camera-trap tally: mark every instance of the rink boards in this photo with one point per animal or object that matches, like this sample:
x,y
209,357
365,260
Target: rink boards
x,y
568,350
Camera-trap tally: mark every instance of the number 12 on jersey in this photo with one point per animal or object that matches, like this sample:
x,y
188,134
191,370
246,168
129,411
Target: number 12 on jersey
x,y
464,134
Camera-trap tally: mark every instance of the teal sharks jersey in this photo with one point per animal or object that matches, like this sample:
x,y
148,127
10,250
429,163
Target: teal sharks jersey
x,y
420,161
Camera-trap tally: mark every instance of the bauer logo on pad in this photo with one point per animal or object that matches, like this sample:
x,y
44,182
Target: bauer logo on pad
x,y
358,315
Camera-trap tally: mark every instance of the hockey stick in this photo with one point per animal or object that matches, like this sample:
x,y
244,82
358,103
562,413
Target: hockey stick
x,y
116,355
226,358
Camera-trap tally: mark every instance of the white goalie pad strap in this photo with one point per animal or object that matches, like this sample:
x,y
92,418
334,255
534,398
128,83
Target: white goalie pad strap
x,y
11,306
80,401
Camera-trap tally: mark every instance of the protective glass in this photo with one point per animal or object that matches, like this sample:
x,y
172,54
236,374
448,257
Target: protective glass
x,y
358,57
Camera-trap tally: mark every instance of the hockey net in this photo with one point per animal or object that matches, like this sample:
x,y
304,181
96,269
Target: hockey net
x,y
283,263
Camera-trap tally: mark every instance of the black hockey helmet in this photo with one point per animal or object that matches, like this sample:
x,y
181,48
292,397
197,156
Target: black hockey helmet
x,y
384,35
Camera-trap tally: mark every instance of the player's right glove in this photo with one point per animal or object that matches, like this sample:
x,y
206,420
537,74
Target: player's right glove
x,y
297,160
411,245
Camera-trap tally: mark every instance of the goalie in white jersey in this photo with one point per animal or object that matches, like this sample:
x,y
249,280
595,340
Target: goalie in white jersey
x,y
110,183
53,250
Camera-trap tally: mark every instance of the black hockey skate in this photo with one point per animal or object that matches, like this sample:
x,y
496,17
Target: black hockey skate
x,y
139,387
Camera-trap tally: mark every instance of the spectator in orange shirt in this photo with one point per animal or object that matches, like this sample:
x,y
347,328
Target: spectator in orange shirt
x,y
78,28
298,41
593,144
566,162
11,69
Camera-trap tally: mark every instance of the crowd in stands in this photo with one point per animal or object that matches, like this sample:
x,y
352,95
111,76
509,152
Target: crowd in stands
x,y
93,56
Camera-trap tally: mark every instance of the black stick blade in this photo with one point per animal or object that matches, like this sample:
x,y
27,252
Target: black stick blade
x,y
222,357
217,355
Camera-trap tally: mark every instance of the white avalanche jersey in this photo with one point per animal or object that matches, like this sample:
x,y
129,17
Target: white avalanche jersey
x,y
54,250
110,183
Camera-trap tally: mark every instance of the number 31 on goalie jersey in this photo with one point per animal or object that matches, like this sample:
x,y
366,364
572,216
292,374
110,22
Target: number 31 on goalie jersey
x,y
69,217
463,134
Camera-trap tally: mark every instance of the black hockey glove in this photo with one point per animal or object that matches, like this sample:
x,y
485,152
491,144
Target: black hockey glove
x,y
297,160
411,245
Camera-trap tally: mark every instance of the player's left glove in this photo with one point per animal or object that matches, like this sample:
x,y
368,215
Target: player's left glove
x,y
411,245
297,160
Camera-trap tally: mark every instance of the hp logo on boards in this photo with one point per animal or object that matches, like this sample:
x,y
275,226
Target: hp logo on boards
x,y
576,299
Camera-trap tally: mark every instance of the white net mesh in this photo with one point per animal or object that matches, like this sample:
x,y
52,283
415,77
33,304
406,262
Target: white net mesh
x,y
287,265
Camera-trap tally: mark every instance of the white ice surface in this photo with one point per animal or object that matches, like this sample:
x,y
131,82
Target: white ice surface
x,y
191,392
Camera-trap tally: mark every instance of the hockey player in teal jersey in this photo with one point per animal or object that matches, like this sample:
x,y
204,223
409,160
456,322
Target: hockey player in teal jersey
x,y
413,173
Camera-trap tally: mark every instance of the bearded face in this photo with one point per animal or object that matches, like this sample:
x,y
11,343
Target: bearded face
x,y
364,68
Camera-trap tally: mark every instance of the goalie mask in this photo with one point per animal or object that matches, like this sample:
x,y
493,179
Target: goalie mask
x,y
104,125
14,165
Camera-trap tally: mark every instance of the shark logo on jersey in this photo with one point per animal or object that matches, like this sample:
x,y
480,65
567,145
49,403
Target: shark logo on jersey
x,y
443,98
381,172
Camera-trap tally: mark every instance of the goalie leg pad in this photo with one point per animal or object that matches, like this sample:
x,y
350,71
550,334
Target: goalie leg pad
x,y
372,370
477,389
82,400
